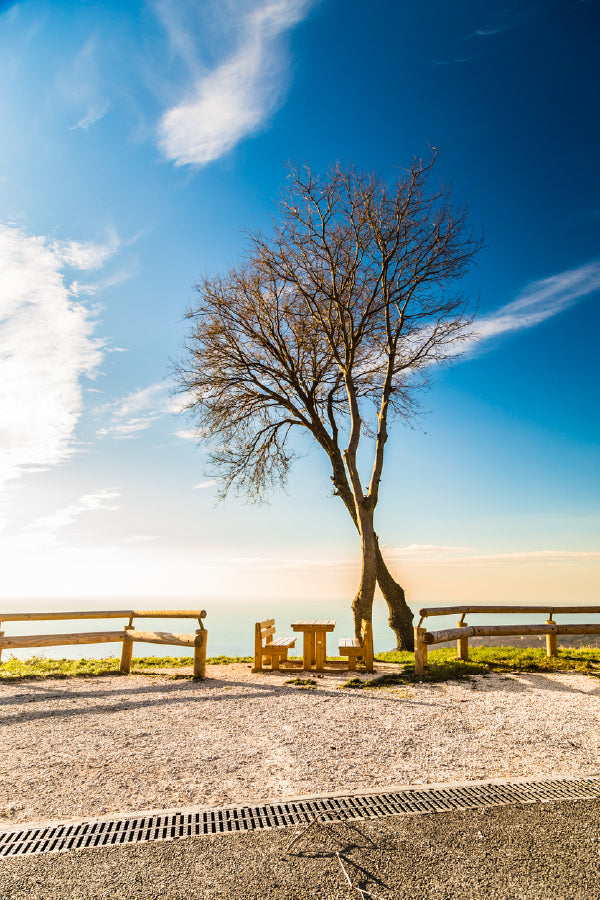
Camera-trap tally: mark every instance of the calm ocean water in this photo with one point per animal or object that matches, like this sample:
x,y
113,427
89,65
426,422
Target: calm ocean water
x,y
230,626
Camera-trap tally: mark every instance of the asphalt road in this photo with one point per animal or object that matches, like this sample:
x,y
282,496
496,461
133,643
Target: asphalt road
x,y
543,850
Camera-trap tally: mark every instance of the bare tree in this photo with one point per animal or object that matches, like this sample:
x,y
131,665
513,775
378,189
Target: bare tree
x,y
332,325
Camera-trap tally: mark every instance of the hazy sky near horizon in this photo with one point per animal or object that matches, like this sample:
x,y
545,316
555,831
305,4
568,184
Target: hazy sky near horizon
x,y
141,139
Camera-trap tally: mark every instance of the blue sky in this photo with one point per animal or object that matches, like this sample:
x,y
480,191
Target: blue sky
x,y
140,140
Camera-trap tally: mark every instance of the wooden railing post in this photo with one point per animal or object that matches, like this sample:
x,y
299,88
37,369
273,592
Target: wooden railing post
x,y
200,653
126,651
551,640
1,636
258,654
420,651
462,644
368,645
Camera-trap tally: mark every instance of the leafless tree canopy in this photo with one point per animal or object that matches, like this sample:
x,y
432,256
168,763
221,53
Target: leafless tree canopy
x,y
330,325
349,302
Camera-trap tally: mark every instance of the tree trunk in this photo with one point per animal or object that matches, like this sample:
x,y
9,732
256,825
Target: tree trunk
x,y
362,605
401,618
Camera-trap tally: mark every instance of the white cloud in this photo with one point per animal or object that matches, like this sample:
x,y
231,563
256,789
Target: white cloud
x,y
541,301
79,83
236,97
86,255
127,428
137,411
95,112
47,345
186,434
427,549
430,554
43,531
539,555
202,485
538,302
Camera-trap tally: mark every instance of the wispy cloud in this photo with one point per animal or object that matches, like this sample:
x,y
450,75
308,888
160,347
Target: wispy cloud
x,y
430,554
86,255
203,485
137,411
234,98
504,21
45,530
186,434
539,302
539,556
424,549
79,82
47,344
94,113
454,59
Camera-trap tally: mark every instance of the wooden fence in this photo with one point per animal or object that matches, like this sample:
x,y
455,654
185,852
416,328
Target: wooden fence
x,y
462,632
127,636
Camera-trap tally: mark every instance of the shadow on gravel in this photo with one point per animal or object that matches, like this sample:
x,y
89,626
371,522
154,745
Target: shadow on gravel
x,y
130,696
184,693
340,844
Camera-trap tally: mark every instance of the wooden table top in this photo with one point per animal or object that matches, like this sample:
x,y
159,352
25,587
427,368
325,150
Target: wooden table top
x,y
314,625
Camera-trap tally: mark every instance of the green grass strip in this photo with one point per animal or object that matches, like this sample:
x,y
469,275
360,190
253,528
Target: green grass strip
x,y
443,665
39,667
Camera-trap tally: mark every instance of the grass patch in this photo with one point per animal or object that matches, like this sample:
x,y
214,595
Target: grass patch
x,y
161,662
226,660
178,662
454,670
39,667
444,666
354,683
302,682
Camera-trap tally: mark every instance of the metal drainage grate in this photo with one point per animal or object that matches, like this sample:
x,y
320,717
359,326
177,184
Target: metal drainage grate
x,y
163,826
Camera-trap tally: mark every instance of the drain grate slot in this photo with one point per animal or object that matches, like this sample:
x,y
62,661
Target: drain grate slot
x,y
162,827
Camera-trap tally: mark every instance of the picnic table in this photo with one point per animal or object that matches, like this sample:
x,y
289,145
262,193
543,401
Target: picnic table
x,y
314,633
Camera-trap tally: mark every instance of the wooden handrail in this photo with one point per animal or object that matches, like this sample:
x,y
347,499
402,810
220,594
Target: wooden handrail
x,y
455,634
54,616
169,613
128,636
105,614
463,631
20,641
503,608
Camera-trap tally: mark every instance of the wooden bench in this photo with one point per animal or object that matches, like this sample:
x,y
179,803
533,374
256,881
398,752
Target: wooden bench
x,y
267,647
462,632
356,649
127,636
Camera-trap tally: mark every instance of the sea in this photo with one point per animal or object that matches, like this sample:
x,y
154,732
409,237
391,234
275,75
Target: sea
x,y
230,624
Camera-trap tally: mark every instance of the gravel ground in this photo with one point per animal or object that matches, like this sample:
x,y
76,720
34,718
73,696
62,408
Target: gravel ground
x,y
531,852
82,747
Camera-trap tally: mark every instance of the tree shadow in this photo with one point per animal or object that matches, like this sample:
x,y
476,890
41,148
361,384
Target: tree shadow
x,y
345,847
524,681
145,695
168,692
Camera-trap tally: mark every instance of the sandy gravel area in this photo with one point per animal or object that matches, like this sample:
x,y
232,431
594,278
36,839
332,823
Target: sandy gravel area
x,y
82,747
